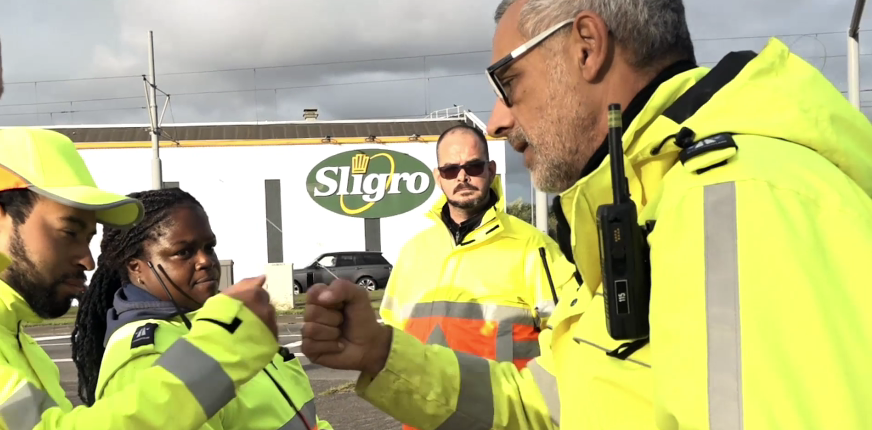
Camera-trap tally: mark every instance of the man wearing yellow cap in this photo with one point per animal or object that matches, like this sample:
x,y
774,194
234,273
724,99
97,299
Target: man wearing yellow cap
x,y
49,209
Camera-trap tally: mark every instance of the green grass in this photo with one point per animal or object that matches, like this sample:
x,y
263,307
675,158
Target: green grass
x,y
347,387
68,319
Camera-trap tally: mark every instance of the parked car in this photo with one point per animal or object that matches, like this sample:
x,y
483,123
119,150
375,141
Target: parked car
x,y
369,269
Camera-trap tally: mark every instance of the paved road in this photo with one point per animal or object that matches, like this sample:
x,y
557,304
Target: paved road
x,y
342,408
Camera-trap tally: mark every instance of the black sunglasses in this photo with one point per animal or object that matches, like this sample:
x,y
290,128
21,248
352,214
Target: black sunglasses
x,y
473,168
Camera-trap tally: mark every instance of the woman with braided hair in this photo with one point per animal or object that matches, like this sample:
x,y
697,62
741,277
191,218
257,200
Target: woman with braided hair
x,y
149,283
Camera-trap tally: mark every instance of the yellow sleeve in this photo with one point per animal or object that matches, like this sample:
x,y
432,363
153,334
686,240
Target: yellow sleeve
x,y
759,310
189,383
548,273
431,387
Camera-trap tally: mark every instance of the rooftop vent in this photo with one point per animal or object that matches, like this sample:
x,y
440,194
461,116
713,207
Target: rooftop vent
x,y
310,114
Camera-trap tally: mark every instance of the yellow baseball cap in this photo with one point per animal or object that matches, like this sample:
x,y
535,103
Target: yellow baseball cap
x,y
47,163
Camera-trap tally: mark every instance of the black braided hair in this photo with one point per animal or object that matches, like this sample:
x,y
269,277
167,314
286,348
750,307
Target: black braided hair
x,y
116,249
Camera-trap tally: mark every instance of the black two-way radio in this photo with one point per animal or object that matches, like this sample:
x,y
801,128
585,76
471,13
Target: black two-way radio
x,y
623,249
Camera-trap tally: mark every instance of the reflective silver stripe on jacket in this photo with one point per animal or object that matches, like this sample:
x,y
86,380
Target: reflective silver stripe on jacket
x,y
547,384
309,412
722,307
24,408
473,311
475,399
202,375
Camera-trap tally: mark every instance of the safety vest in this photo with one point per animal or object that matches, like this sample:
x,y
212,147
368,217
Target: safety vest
x,y
488,296
279,397
759,276
29,379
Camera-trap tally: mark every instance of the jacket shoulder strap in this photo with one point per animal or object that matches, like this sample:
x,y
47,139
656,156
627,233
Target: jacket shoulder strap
x,y
700,93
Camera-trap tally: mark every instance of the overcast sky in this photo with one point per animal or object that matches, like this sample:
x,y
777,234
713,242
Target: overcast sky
x,y
355,59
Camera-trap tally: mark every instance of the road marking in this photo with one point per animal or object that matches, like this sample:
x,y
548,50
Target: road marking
x,y
53,344
40,339
62,360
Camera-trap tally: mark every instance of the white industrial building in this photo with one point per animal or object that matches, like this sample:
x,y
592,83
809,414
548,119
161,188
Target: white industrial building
x,y
257,181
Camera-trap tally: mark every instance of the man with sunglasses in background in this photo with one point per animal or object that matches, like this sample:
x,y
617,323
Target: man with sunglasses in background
x,y
479,281
750,223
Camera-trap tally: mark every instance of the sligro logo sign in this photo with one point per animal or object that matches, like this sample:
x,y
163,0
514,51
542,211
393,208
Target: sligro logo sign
x,y
370,183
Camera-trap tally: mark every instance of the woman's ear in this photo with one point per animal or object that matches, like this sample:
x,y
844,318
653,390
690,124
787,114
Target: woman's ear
x,y
135,268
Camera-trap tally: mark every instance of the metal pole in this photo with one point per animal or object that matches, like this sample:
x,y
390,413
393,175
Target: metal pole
x,y
156,174
854,54
854,71
532,201
542,211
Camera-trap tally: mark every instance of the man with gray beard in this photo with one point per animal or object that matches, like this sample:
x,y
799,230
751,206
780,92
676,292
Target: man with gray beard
x,y
489,289
745,198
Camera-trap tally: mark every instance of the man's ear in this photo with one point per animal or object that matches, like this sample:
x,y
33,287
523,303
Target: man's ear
x,y
492,168
591,45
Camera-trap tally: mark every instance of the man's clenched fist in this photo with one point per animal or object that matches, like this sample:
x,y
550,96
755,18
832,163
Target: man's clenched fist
x,y
341,331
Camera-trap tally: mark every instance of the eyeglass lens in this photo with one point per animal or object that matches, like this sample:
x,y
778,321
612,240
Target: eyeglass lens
x,y
474,168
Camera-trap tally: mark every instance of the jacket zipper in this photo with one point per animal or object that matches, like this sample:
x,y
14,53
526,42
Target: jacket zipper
x,y
18,337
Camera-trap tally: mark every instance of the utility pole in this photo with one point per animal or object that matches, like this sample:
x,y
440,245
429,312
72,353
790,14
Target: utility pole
x,y
532,201
156,173
854,54
541,211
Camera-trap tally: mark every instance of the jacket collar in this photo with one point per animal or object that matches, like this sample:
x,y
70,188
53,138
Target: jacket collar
x,y
490,221
14,309
578,204
460,231
131,304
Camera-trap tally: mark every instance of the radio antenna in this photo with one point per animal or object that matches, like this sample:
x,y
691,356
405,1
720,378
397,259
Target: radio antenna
x,y
620,191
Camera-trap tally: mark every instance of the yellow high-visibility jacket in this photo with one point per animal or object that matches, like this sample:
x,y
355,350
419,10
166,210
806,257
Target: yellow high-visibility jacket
x,y
178,392
489,296
140,330
760,282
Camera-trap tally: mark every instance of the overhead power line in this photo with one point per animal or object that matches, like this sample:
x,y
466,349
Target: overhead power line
x,y
106,99
408,57
247,90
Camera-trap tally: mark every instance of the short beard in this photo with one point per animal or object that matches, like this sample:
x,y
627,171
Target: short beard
x,y
565,137
469,205
24,277
472,205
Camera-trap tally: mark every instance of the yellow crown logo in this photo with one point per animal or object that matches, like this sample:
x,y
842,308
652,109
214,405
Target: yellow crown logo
x,y
359,164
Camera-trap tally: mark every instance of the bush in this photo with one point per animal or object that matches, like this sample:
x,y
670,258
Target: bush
x,y
524,211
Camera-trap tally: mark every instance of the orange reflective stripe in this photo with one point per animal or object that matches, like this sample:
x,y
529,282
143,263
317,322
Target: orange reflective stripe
x,y
473,337
473,311
502,333
526,345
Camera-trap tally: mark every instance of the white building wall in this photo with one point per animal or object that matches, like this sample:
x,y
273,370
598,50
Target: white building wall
x,y
229,183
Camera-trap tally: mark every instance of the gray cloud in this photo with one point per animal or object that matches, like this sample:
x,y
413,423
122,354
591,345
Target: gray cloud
x,y
62,40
